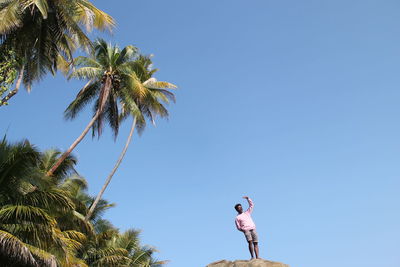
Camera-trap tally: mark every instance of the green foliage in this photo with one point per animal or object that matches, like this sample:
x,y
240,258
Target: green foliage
x,y
42,219
119,84
8,72
45,33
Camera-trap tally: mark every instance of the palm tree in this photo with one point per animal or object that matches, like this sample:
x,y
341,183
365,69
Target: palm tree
x,y
110,75
147,104
67,180
112,248
98,251
140,256
44,33
42,219
30,204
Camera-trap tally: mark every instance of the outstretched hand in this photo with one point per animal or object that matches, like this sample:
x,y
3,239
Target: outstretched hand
x,y
246,197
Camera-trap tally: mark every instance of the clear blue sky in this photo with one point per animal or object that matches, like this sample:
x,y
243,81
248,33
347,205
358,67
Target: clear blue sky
x,y
294,103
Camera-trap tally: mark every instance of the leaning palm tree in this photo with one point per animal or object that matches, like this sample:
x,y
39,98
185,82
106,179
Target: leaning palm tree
x,y
108,73
44,33
139,106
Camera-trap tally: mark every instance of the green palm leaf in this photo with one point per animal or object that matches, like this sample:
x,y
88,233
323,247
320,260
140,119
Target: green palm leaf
x,y
13,250
43,7
44,33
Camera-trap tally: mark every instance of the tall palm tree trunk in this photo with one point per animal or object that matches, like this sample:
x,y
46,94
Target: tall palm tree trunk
x,y
15,91
105,91
108,180
72,147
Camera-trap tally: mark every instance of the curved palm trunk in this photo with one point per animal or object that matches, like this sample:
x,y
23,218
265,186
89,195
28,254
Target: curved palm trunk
x,y
108,180
15,91
103,99
74,144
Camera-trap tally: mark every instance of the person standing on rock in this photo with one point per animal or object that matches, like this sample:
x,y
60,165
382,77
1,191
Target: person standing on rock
x,y
245,224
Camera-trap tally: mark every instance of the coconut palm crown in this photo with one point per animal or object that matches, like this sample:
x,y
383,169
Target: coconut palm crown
x,y
43,34
112,79
139,107
108,73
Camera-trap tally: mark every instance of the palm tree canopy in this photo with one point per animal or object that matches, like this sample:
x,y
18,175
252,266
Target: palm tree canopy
x,y
42,220
30,204
120,75
150,105
44,33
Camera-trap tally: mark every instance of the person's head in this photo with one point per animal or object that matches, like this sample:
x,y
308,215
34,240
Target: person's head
x,y
238,208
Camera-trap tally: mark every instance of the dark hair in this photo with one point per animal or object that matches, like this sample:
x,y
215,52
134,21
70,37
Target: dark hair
x,y
237,205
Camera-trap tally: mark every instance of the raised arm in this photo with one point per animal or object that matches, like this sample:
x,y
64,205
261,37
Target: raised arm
x,y
251,205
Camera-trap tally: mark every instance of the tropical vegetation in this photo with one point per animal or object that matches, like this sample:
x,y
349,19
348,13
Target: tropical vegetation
x,y
42,218
120,84
43,34
47,217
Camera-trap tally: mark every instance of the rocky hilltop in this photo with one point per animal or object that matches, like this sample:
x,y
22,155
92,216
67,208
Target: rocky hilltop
x,y
247,263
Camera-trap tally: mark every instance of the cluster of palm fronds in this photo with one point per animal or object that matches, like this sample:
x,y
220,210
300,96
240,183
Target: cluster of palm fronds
x,y
42,218
46,218
44,33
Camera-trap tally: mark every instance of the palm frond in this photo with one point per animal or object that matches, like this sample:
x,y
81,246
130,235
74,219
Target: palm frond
x,y
10,16
16,213
86,73
43,7
153,83
163,95
102,225
99,19
84,97
130,108
112,260
49,158
137,88
87,62
128,240
127,54
101,207
74,185
53,199
14,250
42,257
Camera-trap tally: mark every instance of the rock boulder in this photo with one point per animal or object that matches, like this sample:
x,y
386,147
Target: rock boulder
x,y
247,263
